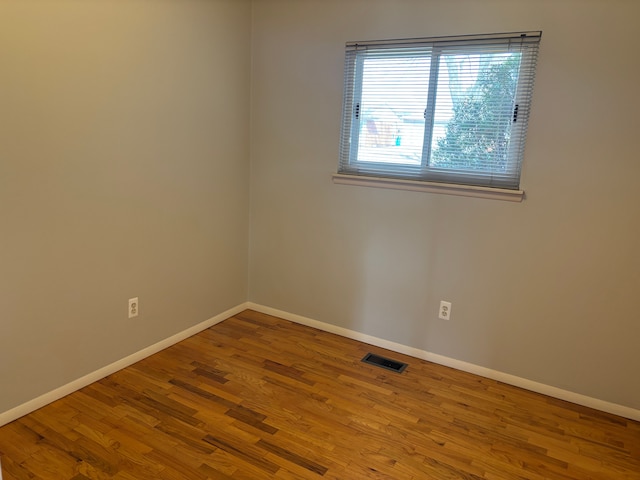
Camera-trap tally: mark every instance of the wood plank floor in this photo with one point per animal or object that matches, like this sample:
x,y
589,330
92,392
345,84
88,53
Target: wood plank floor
x,y
257,397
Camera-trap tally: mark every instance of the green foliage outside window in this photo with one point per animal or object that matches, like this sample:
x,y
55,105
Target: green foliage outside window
x,y
471,141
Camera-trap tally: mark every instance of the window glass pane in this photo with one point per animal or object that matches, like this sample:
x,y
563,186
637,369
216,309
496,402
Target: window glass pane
x,y
394,96
474,111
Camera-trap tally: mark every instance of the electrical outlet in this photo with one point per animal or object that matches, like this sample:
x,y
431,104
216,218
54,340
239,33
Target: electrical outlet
x,y
445,310
134,307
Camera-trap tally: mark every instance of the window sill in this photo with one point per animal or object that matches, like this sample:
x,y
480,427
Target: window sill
x,y
430,187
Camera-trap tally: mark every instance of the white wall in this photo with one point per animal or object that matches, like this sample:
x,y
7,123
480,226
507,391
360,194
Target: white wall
x,y
124,164
545,289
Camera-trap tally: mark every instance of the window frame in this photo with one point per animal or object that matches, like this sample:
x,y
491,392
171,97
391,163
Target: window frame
x,y
433,177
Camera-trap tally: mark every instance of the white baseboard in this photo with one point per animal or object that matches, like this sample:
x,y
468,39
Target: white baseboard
x,y
45,399
42,400
555,392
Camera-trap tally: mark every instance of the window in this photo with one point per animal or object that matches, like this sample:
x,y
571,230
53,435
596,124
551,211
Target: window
x,y
450,110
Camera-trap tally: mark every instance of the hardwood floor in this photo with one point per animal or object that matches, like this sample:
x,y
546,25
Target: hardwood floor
x,y
257,397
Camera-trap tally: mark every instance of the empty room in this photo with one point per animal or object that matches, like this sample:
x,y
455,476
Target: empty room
x,y
304,239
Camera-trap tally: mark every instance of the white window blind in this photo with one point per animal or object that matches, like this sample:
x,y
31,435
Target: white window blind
x,y
447,109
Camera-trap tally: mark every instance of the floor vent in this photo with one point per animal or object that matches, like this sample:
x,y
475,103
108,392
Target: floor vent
x,y
383,362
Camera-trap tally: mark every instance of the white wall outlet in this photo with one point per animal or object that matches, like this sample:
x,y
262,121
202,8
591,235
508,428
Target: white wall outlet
x,y
134,307
445,310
